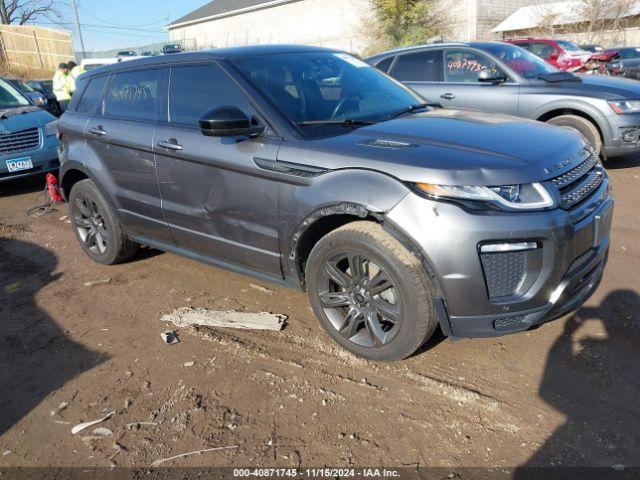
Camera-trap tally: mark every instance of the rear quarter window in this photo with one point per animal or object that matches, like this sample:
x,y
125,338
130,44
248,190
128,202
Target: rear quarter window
x,y
383,65
90,100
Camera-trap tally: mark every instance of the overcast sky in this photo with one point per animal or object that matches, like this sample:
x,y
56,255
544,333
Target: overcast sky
x,y
112,24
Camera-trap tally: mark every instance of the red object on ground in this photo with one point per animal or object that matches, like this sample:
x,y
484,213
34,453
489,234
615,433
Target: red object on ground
x,y
52,188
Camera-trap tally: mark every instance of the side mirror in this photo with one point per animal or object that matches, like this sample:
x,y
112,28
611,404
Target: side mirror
x,y
554,55
228,121
492,75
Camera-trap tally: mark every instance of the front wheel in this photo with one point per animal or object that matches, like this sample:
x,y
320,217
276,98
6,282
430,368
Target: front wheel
x,y
370,293
581,125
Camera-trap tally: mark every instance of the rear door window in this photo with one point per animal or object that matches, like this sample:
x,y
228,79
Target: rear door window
x,y
417,67
194,90
91,97
132,95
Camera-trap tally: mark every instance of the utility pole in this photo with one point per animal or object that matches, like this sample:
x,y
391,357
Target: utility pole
x,y
75,10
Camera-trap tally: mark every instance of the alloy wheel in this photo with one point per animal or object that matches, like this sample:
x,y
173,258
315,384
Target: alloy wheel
x,y
89,222
360,299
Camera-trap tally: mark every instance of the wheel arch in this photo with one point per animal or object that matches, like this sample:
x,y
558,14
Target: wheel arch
x,y
325,220
73,172
579,112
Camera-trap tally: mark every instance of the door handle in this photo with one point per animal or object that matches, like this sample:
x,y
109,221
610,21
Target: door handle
x,y
171,144
97,130
448,96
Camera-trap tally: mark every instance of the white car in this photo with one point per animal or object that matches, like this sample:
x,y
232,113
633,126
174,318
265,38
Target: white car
x,y
91,63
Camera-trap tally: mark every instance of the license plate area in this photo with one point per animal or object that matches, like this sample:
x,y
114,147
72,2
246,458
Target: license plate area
x,y
590,232
19,164
601,225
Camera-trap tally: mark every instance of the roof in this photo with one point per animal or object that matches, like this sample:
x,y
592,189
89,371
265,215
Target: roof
x,y
427,46
219,8
211,54
558,13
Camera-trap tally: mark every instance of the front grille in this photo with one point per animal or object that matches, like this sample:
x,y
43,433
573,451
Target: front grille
x,y
21,141
504,272
579,183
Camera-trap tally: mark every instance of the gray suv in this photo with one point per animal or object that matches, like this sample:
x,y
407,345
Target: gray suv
x,y
503,78
308,167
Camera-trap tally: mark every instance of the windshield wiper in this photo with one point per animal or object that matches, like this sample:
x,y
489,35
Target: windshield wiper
x,y
344,121
413,108
559,77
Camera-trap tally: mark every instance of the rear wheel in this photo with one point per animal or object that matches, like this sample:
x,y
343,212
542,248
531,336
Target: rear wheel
x,y
97,227
581,125
370,293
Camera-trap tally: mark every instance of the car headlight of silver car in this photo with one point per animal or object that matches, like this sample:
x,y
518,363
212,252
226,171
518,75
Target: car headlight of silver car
x,y
51,128
530,196
625,106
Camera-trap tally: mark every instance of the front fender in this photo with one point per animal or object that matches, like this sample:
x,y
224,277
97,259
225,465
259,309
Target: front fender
x,y
580,106
355,192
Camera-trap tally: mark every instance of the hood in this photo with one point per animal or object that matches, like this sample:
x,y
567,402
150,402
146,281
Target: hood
x,y
448,147
605,87
631,62
21,118
582,54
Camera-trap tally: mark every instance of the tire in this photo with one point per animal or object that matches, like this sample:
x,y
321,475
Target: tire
x,y
583,126
97,227
359,308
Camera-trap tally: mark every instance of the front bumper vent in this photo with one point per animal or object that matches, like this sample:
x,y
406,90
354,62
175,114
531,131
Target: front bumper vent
x,y
504,272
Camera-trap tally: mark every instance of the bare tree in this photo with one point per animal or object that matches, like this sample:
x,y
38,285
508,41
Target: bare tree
x,y
598,16
22,11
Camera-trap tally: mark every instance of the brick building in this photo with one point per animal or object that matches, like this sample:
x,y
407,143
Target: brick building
x,y
330,23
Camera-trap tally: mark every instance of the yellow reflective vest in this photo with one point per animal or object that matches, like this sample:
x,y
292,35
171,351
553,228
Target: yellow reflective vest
x,y
72,77
60,87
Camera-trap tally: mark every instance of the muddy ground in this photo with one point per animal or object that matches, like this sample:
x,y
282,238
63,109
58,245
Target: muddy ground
x,y
564,394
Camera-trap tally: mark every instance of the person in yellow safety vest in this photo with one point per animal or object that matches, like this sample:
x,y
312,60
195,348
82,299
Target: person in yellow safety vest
x,y
75,71
60,87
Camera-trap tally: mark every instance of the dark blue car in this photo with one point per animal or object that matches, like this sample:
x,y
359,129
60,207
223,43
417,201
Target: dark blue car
x,y
28,143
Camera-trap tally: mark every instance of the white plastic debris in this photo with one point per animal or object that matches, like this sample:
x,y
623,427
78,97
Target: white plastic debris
x,y
103,432
189,364
260,288
169,337
104,281
185,316
81,426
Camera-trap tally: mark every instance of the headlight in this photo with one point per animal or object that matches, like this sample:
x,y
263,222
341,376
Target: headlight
x,y
51,128
625,106
528,196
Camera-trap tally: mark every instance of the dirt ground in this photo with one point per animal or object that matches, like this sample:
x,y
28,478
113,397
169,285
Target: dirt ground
x,y
564,394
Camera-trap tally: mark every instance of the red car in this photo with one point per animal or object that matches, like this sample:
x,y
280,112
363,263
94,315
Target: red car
x,y
562,54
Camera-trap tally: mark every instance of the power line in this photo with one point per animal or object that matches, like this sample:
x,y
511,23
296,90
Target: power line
x,y
110,23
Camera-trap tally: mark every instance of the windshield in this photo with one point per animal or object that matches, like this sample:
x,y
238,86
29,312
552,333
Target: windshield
x,y
568,46
10,97
325,86
520,60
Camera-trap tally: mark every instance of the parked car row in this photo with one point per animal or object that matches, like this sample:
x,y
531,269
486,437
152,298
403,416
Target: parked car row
x,y
309,167
28,143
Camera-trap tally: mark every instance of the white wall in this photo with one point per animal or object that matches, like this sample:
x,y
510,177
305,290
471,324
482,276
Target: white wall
x,y
327,23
